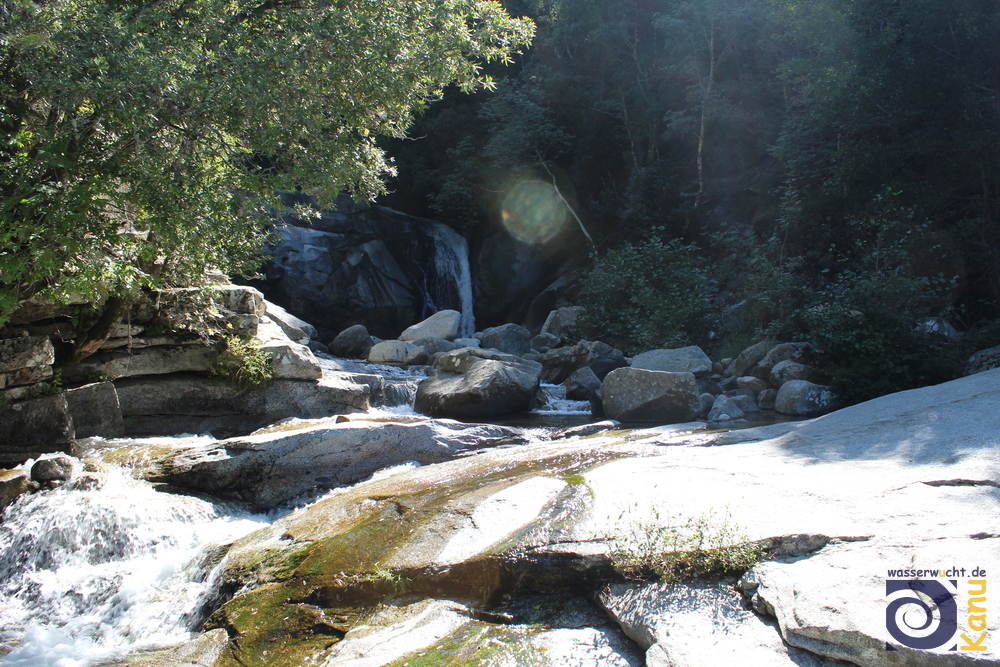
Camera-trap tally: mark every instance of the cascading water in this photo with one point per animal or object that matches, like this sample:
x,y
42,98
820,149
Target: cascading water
x,y
104,566
451,264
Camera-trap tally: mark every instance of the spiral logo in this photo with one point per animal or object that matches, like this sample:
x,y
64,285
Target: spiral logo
x,y
924,614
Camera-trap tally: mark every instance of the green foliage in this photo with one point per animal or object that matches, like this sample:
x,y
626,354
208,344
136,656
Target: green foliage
x,y
674,551
243,363
138,141
648,295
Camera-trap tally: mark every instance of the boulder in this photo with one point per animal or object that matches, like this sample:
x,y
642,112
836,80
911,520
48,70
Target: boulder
x,y
600,357
484,388
53,469
34,426
95,410
545,341
442,324
707,401
295,328
559,364
352,343
766,399
798,352
786,370
746,360
433,346
745,403
25,376
396,352
509,338
724,409
13,483
751,383
689,359
804,399
270,468
292,361
708,386
561,323
25,352
582,384
983,360
634,394
468,342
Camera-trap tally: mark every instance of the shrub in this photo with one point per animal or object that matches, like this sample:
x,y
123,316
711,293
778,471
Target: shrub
x,y
648,295
243,363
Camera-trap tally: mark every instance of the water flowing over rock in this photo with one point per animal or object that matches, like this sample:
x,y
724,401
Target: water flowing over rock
x,y
368,265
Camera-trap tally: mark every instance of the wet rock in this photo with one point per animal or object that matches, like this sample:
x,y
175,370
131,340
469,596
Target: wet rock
x,y
724,409
397,353
584,430
582,384
352,343
35,426
54,469
205,650
508,338
766,399
804,399
270,468
13,483
95,410
561,323
470,385
442,324
633,394
689,359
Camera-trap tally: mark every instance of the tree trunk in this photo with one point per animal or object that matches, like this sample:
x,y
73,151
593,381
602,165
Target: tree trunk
x,y
88,343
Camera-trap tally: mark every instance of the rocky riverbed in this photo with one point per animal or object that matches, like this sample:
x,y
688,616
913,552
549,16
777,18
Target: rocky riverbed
x,y
506,548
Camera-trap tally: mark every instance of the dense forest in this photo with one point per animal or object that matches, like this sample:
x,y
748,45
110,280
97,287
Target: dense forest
x,y
819,169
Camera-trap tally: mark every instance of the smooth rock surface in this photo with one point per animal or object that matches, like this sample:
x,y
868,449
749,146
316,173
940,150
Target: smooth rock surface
x,y
485,388
35,426
352,343
395,352
95,410
689,359
582,384
270,468
294,327
804,399
640,395
508,338
292,361
442,324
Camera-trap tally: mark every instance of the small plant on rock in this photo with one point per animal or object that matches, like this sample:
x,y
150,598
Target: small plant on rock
x,y
676,550
243,363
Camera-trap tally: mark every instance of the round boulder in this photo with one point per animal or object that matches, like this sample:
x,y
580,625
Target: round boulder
x,y
635,394
689,359
804,399
352,343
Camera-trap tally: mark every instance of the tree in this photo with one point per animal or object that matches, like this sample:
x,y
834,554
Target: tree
x,y
140,141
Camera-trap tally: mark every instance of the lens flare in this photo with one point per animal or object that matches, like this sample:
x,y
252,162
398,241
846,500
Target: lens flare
x,y
533,212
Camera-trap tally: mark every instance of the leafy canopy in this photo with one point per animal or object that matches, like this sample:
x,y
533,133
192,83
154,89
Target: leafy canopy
x,y
139,140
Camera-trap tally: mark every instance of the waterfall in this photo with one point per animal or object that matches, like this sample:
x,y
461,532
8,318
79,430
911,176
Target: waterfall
x,y
104,566
451,264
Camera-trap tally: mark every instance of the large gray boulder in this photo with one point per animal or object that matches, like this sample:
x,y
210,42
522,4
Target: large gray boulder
x,y
292,361
473,384
270,468
800,353
35,426
294,327
582,384
561,323
689,359
352,343
746,360
725,409
983,360
95,410
633,394
802,398
508,338
396,352
786,370
442,324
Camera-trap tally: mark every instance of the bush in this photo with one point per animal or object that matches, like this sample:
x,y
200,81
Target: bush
x,y
866,330
648,295
243,363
